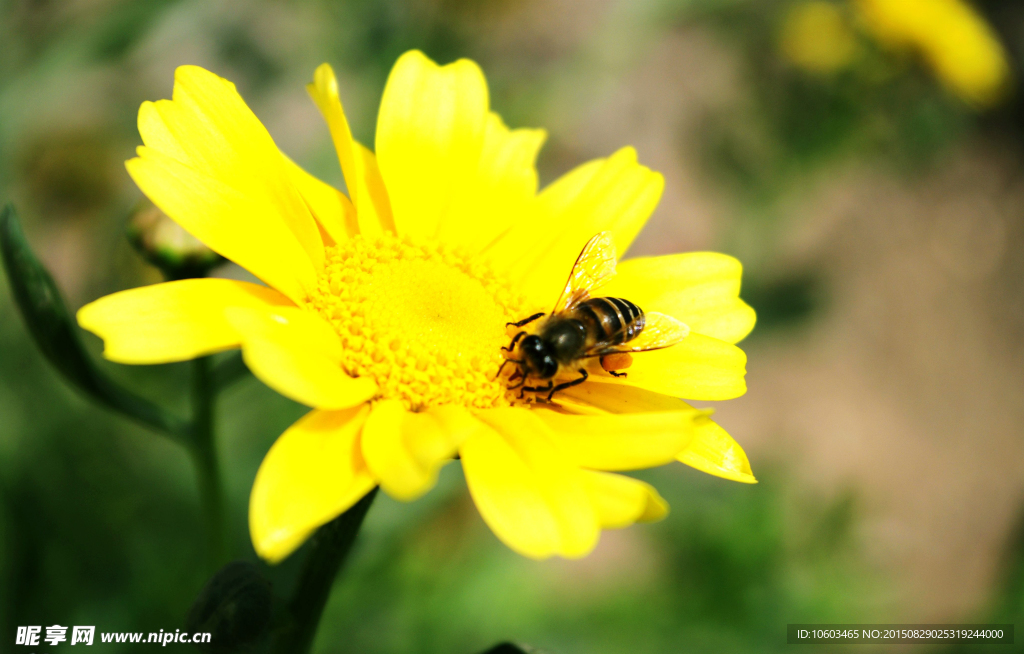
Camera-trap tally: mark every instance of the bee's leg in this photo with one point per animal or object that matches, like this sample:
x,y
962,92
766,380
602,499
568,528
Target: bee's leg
x,y
512,345
526,321
536,389
539,389
614,372
502,366
515,386
575,382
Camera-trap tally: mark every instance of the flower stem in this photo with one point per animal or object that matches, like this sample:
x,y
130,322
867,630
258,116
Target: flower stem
x,y
329,548
204,454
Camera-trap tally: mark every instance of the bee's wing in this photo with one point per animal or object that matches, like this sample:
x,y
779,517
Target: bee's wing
x,y
660,331
594,267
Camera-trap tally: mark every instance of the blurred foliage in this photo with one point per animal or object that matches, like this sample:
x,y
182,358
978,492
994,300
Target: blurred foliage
x,y
721,574
824,93
100,520
796,122
783,302
68,172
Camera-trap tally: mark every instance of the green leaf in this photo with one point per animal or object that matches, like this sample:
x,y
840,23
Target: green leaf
x,y
55,332
235,608
328,550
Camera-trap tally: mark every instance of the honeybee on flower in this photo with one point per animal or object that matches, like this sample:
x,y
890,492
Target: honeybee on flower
x,y
582,328
385,310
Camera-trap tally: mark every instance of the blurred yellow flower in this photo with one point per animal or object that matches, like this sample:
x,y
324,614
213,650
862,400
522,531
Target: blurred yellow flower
x,y
817,36
385,310
951,36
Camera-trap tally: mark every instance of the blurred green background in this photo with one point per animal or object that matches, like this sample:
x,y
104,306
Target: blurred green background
x,y
872,186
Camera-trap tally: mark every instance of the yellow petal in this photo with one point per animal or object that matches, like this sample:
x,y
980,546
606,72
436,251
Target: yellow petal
x,y
430,134
715,452
208,128
405,450
622,398
526,490
298,354
387,455
174,321
375,187
700,289
504,185
615,194
157,135
312,474
361,177
458,424
627,441
240,226
697,368
621,501
331,208
711,449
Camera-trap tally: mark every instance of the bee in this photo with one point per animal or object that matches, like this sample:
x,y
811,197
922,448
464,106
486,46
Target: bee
x,y
582,327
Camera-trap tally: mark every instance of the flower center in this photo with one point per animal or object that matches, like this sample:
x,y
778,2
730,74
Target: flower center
x,y
425,322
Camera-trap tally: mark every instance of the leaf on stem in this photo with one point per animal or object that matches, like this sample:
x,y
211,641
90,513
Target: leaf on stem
x,y
54,331
235,608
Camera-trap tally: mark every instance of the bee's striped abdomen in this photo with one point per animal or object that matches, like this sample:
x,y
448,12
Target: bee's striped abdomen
x,y
610,320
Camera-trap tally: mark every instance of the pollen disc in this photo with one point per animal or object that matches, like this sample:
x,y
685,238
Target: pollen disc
x,y
425,322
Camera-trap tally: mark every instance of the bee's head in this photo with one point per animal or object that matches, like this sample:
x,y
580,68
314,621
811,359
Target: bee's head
x,y
538,359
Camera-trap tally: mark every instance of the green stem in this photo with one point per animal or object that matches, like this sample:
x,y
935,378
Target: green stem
x,y
329,548
204,454
230,369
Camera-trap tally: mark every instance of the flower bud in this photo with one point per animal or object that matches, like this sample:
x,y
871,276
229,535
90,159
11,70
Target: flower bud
x,y
166,245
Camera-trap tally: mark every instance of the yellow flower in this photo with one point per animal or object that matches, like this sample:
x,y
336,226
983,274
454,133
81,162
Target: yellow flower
x,y
385,310
955,41
816,36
